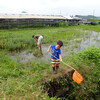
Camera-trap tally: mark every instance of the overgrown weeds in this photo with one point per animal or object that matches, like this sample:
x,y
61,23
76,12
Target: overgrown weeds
x,y
24,80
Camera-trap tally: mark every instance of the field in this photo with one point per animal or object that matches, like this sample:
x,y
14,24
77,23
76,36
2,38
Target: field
x,y
33,79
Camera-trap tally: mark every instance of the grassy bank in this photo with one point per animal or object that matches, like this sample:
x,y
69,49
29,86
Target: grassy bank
x,y
24,80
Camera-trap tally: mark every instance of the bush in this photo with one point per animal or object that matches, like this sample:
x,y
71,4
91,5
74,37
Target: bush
x,y
93,21
63,24
92,54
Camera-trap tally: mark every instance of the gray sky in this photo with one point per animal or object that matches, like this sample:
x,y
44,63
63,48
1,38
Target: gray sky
x,y
51,7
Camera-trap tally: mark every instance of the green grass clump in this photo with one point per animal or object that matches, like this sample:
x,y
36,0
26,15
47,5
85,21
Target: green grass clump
x,y
37,52
90,27
92,54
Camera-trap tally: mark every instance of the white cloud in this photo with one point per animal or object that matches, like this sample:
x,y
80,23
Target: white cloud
x,y
64,7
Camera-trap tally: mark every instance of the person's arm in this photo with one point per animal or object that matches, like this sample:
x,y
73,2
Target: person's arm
x,y
36,40
60,57
49,49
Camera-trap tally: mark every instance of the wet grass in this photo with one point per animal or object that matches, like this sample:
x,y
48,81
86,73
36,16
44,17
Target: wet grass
x,y
21,39
90,27
37,53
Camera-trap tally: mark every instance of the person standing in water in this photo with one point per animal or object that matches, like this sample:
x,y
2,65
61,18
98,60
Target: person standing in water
x,y
38,39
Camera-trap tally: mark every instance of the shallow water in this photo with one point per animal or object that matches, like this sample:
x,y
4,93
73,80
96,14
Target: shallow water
x,y
25,56
90,39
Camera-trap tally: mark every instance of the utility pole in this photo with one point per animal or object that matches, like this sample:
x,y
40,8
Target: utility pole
x,y
93,13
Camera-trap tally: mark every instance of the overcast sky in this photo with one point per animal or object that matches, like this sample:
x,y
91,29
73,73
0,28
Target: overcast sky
x,y
51,7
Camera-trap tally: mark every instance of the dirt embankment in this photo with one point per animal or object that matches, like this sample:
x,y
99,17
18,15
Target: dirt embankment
x,y
59,84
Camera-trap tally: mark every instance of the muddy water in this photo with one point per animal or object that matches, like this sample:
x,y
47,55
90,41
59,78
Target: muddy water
x,y
90,39
23,56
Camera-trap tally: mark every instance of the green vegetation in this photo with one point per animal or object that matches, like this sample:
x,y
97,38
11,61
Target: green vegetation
x,y
25,80
37,53
90,27
18,80
63,24
93,21
22,38
92,54
20,25
87,63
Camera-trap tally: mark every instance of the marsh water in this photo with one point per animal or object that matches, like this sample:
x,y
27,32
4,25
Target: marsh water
x,y
91,38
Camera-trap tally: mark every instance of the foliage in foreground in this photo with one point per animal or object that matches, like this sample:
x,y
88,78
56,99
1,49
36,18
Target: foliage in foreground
x,y
86,63
23,81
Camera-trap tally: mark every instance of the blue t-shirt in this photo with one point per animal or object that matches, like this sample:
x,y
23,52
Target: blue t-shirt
x,y
55,52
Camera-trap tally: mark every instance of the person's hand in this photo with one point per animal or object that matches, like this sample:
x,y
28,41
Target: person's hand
x,y
48,51
60,60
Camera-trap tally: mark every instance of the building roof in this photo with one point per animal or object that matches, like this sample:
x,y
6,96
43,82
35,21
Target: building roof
x,y
27,16
77,18
68,17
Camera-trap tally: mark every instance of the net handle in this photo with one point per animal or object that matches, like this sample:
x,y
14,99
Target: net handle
x,y
62,62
